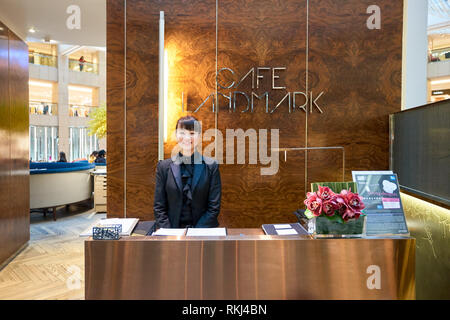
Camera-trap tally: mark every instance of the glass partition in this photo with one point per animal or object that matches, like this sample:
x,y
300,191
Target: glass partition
x,y
43,59
81,143
76,65
43,144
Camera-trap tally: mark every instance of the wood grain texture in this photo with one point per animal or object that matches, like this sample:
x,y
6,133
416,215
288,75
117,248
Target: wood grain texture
x,y
263,34
5,147
142,110
359,71
190,47
14,144
115,38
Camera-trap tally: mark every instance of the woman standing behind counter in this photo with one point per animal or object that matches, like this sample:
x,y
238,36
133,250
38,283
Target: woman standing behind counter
x,y
188,187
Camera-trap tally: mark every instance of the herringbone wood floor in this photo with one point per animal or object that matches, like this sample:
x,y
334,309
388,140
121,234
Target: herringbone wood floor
x,y
52,265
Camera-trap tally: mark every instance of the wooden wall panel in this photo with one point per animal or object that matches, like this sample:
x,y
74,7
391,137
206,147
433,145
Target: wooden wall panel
x,y
115,38
14,144
5,147
358,69
20,140
263,34
190,43
142,107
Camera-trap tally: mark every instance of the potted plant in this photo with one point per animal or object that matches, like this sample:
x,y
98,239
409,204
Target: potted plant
x,y
335,214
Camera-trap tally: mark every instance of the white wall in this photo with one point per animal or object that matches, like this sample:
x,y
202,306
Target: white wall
x,y
415,45
439,69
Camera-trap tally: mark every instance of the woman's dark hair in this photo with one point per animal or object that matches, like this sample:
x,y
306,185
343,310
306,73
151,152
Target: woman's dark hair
x,y
94,153
101,153
190,123
62,157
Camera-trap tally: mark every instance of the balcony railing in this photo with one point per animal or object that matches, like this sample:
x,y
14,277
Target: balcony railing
x,y
76,65
43,59
442,54
43,108
80,111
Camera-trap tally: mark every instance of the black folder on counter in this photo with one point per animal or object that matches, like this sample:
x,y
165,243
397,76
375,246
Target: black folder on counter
x,y
289,229
144,228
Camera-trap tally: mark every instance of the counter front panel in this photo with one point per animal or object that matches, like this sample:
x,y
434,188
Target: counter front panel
x,y
245,265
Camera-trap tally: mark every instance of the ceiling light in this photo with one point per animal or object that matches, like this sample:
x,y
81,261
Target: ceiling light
x,y
40,84
32,30
81,89
440,81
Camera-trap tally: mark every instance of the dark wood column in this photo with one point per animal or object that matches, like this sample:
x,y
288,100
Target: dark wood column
x,y
14,144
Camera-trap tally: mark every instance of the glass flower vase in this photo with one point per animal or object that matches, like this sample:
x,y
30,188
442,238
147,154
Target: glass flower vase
x,y
323,227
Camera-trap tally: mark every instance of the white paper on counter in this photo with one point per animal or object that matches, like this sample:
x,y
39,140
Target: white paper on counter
x,y
283,232
206,232
169,232
282,226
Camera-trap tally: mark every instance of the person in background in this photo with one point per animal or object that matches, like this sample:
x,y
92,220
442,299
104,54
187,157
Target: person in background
x,y
101,157
93,156
82,61
62,157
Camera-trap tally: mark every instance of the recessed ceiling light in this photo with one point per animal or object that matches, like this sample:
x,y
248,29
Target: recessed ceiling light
x,y
440,81
32,30
81,89
40,84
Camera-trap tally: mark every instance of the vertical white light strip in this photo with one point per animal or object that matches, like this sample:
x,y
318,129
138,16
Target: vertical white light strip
x,y
80,142
125,118
45,145
166,94
70,144
307,95
52,142
34,144
161,88
217,96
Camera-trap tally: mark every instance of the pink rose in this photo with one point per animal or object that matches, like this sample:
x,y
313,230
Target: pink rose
x,y
314,203
350,214
325,193
341,206
329,207
353,201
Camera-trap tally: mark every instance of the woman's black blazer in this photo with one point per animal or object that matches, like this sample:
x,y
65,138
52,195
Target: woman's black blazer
x,y
206,193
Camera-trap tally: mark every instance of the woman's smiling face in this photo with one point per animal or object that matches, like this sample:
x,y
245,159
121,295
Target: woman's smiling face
x,y
187,139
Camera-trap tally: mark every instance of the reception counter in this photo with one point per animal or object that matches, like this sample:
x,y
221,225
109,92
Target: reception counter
x,y
246,264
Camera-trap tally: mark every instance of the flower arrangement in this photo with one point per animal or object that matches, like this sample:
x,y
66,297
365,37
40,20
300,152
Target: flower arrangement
x,y
341,207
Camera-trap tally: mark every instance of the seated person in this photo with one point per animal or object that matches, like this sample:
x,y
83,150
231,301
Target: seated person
x,y
101,157
93,156
62,157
